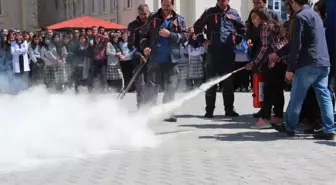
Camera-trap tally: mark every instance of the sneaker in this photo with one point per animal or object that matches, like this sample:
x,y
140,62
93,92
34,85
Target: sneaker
x,y
231,113
276,120
208,115
282,129
262,124
171,119
324,136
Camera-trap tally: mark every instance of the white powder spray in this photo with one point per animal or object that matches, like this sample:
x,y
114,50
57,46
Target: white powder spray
x,y
36,125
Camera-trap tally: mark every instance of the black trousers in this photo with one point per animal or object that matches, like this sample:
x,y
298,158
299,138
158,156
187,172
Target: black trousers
x,y
274,82
36,73
219,63
140,83
98,68
157,73
242,78
127,70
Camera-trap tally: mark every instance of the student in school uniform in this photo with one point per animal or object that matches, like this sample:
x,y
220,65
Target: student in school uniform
x,y
114,75
36,63
19,50
195,69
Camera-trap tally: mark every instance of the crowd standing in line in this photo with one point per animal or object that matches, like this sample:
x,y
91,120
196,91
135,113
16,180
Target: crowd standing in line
x,y
178,57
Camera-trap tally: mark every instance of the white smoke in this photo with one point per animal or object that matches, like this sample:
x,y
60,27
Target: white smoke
x,y
38,125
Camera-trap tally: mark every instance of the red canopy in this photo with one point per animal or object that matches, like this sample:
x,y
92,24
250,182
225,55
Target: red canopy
x,y
86,22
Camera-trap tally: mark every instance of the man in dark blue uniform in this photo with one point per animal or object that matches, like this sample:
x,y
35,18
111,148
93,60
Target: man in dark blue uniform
x,y
223,23
162,36
134,45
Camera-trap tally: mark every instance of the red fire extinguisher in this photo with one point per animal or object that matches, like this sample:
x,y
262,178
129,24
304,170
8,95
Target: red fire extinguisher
x,y
258,90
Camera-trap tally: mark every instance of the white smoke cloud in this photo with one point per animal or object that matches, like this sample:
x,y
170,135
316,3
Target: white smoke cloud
x,y
38,125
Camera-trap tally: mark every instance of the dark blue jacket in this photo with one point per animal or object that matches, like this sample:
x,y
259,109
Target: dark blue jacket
x,y
150,35
212,19
308,45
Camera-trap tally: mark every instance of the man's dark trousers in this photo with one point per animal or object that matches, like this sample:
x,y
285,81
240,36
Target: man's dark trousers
x,y
157,73
220,62
140,82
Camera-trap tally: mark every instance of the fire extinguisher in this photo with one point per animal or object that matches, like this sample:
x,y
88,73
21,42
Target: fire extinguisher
x,y
258,90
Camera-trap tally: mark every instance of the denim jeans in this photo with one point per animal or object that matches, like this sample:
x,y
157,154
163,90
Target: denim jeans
x,y
304,78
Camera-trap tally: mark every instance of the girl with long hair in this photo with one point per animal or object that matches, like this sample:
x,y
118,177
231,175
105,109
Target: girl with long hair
x,y
273,38
82,62
114,75
36,63
53,54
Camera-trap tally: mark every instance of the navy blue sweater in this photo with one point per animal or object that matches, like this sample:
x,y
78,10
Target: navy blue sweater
x,y
308,45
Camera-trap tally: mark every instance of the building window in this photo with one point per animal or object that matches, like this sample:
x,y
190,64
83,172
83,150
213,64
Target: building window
x,y
92,6
65,7
113,6
83,7
56,4
129,4
74,9
1,12
104,6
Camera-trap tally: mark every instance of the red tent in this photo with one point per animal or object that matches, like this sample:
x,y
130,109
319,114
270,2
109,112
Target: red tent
x,y
86,22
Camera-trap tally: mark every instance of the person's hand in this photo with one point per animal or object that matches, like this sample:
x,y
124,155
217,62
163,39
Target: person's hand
x,y
249,43
206,43
273,57
60,62
249,66
121,57
164,33
147,51
118,53
228,16
289,76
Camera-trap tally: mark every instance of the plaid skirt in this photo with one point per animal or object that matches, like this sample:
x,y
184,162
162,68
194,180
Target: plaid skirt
x,y
183,71
195,70
69,70
55,74
113,72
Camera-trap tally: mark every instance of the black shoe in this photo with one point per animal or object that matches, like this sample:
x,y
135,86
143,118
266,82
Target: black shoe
x,y
208,115
171,119
231,113
324,136
282,129
258,114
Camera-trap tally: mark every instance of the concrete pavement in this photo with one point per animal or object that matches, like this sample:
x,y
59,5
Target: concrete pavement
x,y
196,151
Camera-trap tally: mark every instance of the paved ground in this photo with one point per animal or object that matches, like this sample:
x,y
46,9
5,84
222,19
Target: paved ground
x,y
197,151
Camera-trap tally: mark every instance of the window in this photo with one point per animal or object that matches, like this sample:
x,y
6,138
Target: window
x,y
56,4
92,6
276,5
1,12
113,6
104,6
65,7
74,9
129,4
83,7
